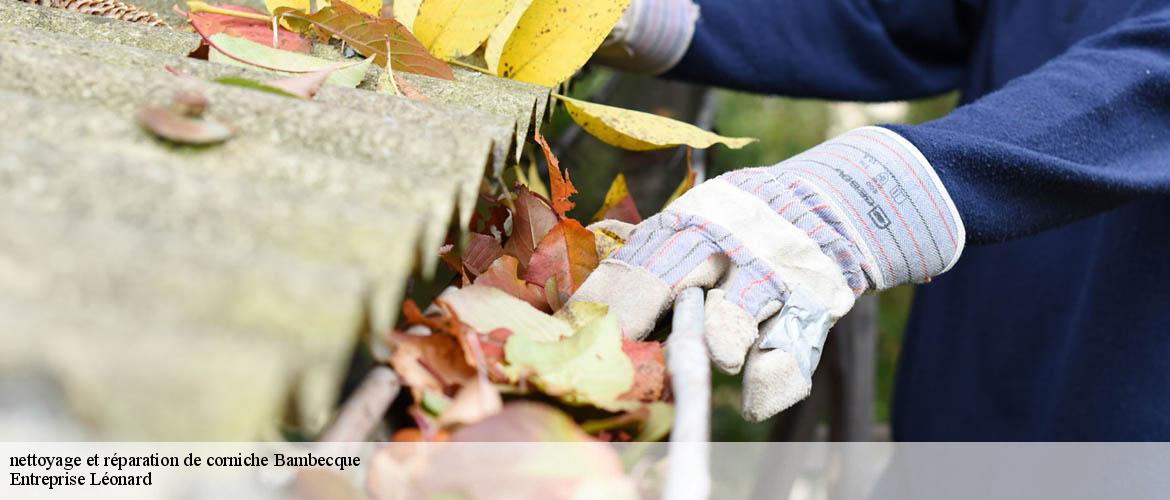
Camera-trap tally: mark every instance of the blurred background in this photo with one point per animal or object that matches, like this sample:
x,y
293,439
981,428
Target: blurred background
x,y
784,128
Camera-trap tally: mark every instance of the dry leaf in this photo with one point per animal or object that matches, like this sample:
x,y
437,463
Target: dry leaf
x,y
560,187
371,7
638,131
407,90
208,23
369,36
303,87
482,251
618,204
588,367
494,47
649,370
176,127
531,220
472,403
432,362
554,38
568,253
487,309
652,422
504,274
451,29
405,11
227,49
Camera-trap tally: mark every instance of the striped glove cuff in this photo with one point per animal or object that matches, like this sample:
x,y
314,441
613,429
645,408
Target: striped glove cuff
x,y
651,37
872,201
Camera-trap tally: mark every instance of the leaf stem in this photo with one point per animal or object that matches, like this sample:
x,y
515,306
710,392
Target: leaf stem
x,y
472,67
196,6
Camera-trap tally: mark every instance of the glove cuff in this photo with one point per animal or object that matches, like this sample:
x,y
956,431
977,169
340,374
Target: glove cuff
x,y
651,37
872,201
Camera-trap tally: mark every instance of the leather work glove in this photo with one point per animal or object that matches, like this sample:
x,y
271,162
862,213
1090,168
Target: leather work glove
x,y
785,251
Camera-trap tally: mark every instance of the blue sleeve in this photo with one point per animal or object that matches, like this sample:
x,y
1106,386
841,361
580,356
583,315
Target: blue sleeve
x,y
1086,132
870,50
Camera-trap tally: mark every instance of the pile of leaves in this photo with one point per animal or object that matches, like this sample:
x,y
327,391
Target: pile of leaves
x,y
543,42
505,330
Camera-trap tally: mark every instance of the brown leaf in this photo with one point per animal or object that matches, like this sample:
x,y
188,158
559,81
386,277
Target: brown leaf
x,y
504,274
649,370
531,221
482,251
472,403
618,205
492,344
208,23
567,253
409,91
560,187
432,362
175,127
368,35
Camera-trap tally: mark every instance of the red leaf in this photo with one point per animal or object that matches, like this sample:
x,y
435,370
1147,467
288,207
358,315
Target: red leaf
x,y
568,253
561,188
482,251
532,219
369,36
504,274
493,353
649,370
618,205
207,24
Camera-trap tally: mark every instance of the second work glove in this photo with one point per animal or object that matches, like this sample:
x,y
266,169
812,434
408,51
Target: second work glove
x,y
785,251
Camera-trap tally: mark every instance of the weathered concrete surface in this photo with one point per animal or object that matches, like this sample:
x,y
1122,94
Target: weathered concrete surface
x,y
524,105
145,323
177,292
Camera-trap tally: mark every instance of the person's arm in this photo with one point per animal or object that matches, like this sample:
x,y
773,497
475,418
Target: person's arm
x,y
789,247
1085,132
868,50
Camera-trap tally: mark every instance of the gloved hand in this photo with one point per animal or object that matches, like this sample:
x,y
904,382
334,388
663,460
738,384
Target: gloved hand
x,y
787,249
651,37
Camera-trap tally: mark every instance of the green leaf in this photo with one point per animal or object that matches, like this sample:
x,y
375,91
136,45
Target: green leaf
x,y
384,39
248,83
486,308
588,367
227,49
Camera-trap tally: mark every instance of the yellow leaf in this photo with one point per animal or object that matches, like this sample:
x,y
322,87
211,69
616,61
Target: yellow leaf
x,y
452,29
638,131
554,38
495,42
405,11
371,7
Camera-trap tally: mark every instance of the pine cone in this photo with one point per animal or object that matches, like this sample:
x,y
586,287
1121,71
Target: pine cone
x,y
105,8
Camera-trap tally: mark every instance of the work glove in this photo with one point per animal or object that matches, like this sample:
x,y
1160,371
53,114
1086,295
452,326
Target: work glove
x,y
785,251
651,37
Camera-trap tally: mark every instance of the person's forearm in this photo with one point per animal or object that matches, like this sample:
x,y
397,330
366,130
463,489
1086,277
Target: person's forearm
x,y
850,49
1084,133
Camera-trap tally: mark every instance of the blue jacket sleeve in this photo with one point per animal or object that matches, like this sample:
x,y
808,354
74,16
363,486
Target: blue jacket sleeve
x,y
871,50
1086,132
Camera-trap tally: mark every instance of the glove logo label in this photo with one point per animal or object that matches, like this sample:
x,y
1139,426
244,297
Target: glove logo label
x,y
879,217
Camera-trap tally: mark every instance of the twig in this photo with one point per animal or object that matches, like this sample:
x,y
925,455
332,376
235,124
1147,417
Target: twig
x,y
472,67
688,476
361,413
204,7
